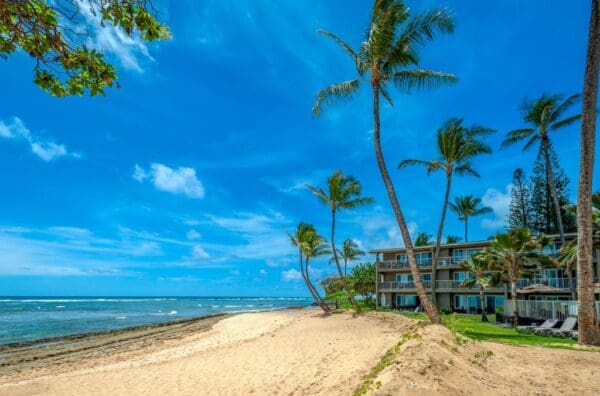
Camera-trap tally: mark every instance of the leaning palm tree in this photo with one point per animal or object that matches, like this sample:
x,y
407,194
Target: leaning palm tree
x,y
514,254
342,192
388,56
588,321
350,251
305,233
545,115
466,207
482,277
457,146
315,246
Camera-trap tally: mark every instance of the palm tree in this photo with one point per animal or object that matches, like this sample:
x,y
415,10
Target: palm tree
x,y
350,252
457,145
387,56
423,239
514,254
466,207
453,239
341,193
304,239
315,246
545,115
589,325
482,277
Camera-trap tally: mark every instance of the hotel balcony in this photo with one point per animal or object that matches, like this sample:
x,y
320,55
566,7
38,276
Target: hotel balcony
x,y
443,262
560,284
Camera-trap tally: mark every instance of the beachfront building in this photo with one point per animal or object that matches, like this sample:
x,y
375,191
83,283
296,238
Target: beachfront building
x,y
395,287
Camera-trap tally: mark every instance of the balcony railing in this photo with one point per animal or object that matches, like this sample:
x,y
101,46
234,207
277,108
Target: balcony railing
x,y
422,262
557,283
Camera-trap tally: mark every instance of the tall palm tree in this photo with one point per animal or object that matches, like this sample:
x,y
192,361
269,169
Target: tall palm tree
x,y
589,325
545,114
514,254
342,192
350,251
457,145
302,239
482,277
315,246
387,56
466,207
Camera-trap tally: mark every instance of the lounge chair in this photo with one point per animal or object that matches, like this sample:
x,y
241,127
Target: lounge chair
x,y
568,325
547,325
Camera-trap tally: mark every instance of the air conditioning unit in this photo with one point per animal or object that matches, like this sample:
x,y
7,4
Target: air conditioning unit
x,y
441,263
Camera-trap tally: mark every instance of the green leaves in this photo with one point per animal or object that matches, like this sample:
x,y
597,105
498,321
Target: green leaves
x,y
335,93
64,64
341,192
408,80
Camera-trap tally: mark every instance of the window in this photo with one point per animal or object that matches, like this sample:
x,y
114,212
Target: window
x,y
458,255
401,258
406,300
471,252
462,275
404,278
465,303
423,258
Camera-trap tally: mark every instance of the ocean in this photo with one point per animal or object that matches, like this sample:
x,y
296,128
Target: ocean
x,y
33,318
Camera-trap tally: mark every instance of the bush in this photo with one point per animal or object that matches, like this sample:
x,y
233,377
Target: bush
x,y
445,311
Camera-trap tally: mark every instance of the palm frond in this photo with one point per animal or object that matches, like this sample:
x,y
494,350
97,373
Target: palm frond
x,y
336,92
466,169
355,57
534,139
417,79
386,94
517,135
564,106
567,121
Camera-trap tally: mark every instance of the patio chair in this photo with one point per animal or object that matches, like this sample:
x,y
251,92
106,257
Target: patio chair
x,y
568,325
547,325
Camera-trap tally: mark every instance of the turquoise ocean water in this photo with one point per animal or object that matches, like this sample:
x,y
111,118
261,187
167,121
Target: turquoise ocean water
x,y
32,318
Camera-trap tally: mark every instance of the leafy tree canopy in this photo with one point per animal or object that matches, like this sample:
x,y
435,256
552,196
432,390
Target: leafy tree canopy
x,y
55,33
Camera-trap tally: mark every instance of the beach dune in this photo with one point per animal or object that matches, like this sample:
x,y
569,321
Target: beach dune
x,y
300,352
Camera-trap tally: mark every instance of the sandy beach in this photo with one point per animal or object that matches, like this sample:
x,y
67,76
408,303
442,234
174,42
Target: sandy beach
x,y
296,351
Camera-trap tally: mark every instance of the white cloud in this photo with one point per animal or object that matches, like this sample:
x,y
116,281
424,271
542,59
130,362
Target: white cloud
x,y
129,50
262,272
291,275
46,150
500,203
192,235
380,228
234,272
181,181
198,253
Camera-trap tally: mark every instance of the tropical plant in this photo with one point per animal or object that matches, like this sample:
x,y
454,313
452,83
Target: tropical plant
x,y
350,251
457,146
56,35
467,207
514,254
387,56
519,215
482,276
315,246
308,243
545,114
453,239
342,192
588,323
423,239
334,291
363,278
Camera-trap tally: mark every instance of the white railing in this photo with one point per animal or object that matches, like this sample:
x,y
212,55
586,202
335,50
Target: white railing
x,y
401,285
545,309
557,283
423,262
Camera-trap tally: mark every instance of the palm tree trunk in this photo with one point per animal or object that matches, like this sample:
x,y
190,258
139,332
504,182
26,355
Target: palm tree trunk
x,y
466,229
438,240
339,267
345,267
484,317
320,301
311,289
589,329
552,185
430,309
513,296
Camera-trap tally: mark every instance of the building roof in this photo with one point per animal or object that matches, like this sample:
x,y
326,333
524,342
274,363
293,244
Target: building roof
x,y
455,245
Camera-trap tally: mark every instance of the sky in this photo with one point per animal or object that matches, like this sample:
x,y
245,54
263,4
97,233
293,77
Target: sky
x,y
187,179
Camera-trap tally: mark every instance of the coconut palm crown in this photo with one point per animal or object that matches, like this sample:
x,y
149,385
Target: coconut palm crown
x,y
466,207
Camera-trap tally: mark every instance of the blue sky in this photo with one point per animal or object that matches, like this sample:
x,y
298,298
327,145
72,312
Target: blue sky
x,y
186,180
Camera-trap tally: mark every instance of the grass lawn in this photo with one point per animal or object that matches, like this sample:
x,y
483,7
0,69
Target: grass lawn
x,y
472,327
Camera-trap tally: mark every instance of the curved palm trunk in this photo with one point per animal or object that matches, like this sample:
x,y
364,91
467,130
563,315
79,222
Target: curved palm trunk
x,y
589,327
316,294
553,194
438,240
430,309
309,286
345,267
484,317
466,229
513,296
339,267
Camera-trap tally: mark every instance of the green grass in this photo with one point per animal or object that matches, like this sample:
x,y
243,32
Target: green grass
x,y
471,326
